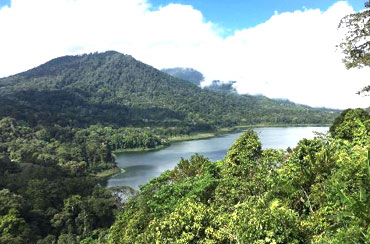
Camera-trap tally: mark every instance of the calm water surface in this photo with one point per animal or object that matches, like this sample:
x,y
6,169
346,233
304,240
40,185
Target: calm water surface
x,y
141,167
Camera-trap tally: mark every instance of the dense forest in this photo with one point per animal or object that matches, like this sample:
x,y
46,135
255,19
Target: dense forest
x,y
75,111
319,192
49,184
61,122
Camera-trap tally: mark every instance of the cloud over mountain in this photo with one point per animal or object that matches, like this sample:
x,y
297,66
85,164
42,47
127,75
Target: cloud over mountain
x,y
292,55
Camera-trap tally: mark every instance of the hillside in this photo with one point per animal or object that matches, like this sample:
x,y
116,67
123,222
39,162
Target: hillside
x,y
115,89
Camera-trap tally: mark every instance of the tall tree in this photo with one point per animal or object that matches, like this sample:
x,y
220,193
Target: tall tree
x,y
356,42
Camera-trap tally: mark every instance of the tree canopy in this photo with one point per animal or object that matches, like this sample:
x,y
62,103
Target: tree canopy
x,y
115,89
316,193
356,42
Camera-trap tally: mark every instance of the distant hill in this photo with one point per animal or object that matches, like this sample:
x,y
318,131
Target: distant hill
x,y
187,74
114,89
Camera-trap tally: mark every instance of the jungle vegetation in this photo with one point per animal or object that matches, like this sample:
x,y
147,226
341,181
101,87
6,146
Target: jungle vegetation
x,y
318,192
61,122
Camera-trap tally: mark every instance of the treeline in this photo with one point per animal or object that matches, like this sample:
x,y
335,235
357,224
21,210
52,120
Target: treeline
x,y
48,188
45,204
79,151
46,193
319,192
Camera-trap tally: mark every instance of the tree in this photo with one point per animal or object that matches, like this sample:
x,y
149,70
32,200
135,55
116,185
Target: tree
x,y
356,42
13,228
350,124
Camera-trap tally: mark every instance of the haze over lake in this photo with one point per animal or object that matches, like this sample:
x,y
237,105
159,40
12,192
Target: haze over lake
x,y
141,167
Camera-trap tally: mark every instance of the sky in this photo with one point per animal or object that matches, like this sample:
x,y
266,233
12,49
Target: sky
x,y
281,49
234,15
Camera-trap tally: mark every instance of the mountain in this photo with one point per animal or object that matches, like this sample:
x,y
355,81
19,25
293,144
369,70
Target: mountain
x,y
187,74
114,89
61,122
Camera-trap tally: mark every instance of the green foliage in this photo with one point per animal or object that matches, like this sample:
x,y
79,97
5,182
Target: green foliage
x,y
356,44
257,220
44,175
351,124
61,122
80,216
318,192
246,148
78,151
13,228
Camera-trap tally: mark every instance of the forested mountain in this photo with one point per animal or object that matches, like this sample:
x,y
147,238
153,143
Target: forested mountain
x,y
187,74
115,89
61,122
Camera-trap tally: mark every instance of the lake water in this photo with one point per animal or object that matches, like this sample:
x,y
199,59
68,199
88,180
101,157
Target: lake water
x,y
141,167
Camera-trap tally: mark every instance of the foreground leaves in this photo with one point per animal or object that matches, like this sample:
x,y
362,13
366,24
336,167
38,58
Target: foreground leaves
x,y
317,193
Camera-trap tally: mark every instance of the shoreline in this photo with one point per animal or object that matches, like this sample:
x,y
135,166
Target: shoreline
x,y
235,129
140,149
213,134
196,136
105,174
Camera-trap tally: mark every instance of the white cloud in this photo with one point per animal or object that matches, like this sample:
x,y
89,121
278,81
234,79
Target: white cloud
x,y
292,55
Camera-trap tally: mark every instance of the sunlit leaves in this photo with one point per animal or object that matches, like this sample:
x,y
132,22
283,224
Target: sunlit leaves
x,y
317,192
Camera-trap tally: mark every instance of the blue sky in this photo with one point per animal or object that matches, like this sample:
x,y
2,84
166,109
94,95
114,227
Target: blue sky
x,y
281,49
4,2
232,15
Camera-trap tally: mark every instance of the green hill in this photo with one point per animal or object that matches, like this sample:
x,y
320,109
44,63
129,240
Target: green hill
x,y
115,89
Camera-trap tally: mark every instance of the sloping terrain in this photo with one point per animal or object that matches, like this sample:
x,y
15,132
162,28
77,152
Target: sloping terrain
x,y
115,89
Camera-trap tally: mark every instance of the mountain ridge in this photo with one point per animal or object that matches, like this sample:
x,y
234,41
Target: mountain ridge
x,y
129,92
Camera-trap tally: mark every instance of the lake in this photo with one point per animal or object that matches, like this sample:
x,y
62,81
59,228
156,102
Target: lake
x,y
141,167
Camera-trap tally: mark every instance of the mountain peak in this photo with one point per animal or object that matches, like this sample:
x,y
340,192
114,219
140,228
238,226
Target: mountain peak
x,y
67,63
114,88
